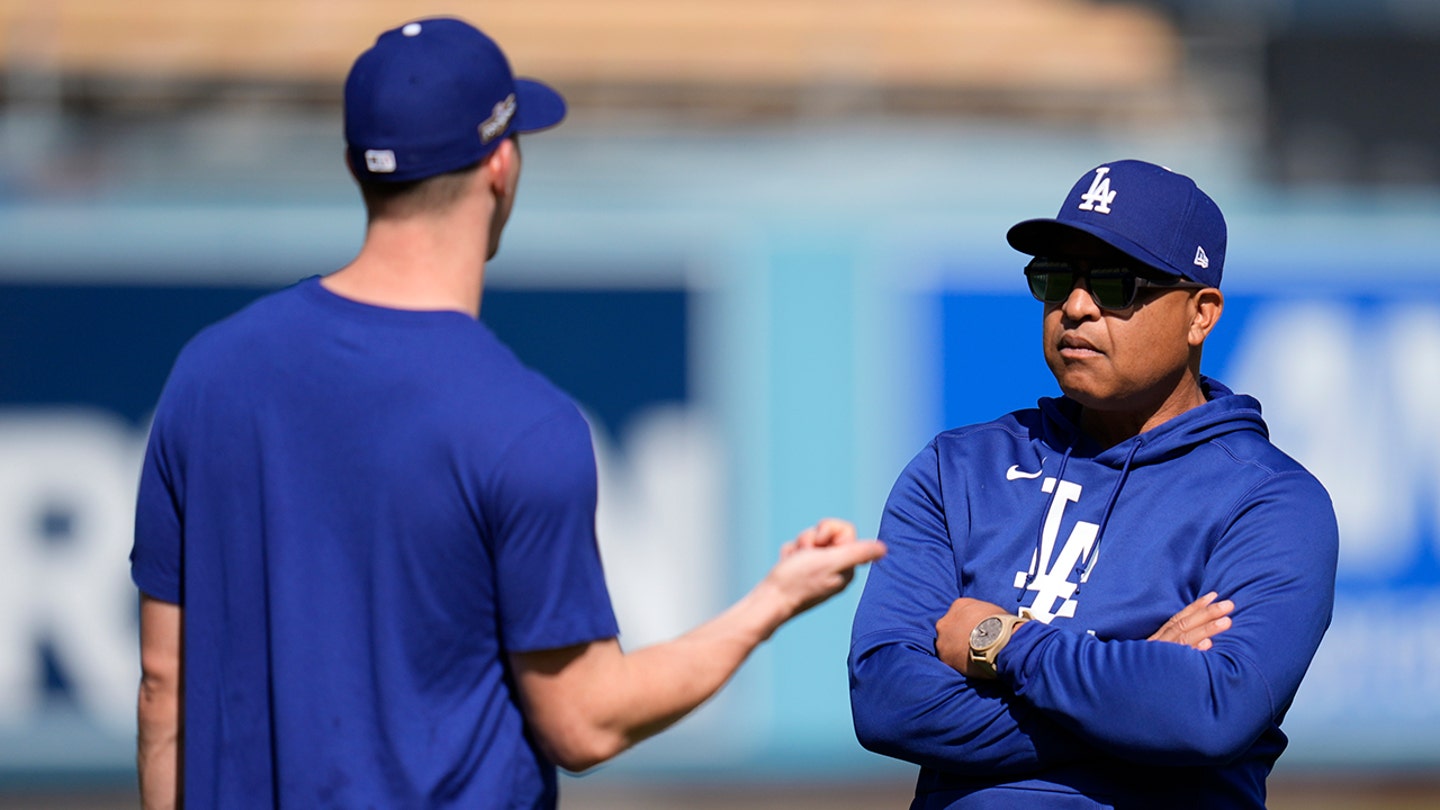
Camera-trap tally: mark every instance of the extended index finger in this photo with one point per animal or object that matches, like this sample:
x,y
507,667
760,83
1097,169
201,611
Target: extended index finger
x,y
851,554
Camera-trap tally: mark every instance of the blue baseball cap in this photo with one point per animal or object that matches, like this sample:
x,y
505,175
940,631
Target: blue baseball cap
x,y
433,96
1148,212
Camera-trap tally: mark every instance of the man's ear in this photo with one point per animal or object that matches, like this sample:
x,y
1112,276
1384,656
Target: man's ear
x,y
1206,308
499,164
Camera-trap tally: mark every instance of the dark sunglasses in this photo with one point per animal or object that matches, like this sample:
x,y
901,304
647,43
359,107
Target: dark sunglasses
x,y
1111,286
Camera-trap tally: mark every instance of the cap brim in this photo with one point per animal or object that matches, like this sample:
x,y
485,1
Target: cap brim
x,y
1050,237
538,106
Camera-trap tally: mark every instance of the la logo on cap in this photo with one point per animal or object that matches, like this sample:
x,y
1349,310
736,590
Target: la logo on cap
x,y
1099,197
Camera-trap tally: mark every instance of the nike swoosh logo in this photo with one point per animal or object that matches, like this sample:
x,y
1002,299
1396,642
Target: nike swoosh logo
x,y
1014,472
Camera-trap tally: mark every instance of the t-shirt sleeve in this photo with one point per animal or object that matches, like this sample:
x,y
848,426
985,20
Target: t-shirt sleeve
x,y
155,557
549,579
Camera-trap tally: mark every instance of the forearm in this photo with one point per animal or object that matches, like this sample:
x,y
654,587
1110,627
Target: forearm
x,y
909,705
158,744
160,704
666,681
588,703
1144,701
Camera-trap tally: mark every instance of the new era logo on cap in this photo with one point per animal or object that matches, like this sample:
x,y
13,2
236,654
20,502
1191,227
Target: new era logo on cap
x,y
1148,212
436,95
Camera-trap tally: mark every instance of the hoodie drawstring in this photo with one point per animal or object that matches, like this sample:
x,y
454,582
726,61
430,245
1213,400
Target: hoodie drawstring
x,y
1085,563
1082,568
1040,532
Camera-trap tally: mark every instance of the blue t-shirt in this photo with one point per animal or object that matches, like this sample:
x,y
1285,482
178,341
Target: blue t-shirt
x,y
362,511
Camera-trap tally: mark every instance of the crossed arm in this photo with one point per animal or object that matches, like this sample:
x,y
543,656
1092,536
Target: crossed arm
x,y
589,702
937,716
1193,626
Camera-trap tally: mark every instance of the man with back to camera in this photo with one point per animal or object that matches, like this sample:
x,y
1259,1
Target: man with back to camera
x,y
1003,643
365,532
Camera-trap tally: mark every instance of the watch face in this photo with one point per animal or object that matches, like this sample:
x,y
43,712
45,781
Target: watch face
x,y
986,633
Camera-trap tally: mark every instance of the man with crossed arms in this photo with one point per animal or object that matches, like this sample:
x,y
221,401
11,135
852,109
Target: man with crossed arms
x,y
1006,642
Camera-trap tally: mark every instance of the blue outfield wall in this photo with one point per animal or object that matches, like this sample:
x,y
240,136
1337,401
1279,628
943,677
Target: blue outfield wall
x,y
763,329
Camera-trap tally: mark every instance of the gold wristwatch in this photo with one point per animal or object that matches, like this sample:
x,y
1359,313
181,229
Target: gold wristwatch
x,y
987,640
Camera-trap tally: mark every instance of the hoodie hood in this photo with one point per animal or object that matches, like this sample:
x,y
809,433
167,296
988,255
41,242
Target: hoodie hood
x,y
1225,412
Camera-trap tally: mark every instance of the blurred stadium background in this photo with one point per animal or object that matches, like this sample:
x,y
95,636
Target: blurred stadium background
x,y
766,253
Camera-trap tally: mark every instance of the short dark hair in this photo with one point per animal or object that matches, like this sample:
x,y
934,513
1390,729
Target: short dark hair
x,y
430,194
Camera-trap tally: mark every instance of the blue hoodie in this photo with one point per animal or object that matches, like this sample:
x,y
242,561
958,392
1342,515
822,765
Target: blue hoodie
x,y
1102,545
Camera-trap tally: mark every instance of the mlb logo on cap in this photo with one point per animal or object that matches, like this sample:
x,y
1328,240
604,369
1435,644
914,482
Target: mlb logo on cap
x,y
433,96
1149,212
380,161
